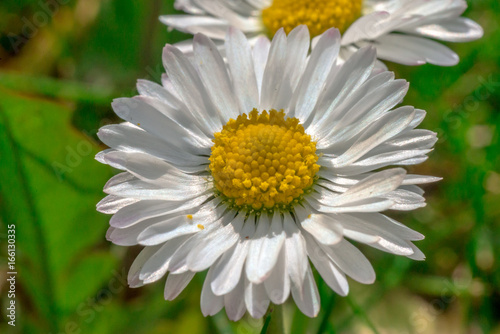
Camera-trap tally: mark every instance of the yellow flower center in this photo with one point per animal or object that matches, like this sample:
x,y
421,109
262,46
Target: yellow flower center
x,y
318,15
263,161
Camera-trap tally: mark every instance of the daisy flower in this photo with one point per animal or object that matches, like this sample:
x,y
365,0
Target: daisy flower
x,y
254,169
401,30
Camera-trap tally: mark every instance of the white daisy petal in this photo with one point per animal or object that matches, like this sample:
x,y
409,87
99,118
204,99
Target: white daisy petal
x,y
179,114
168,85
297,52
100,156
350,260
210,303
420,179
150,119
387,224
366,27
176,284
215,77
242,7
323,229
419,117
375,185
278,284
410,49
186,47
240,62
157,264
260,54
219,7
459,29
394,246
135,269
321,203
426,12
178,263
320,63
360,110
145,191
189,6
405,200
381,130
167,230
112,204
332,275
151,170
178,225
256,299
264,248
395,157
412,139
271,247
207,251
274,72
364,238
235,302
295,252
129,236
129,138
142,210
413,161
417,253
119,178
227,271
154,90
211,27
190,88
254,258
188,23
306,296
346,81
371,234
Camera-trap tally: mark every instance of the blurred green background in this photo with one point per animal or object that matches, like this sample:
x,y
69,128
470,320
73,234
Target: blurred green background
x,y
58,75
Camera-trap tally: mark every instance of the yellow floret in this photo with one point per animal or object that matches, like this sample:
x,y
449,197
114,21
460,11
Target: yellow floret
x,y
318,15
263,160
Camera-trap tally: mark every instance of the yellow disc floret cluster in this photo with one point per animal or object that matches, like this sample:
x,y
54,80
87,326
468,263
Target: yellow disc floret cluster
x,y
262,161
318,15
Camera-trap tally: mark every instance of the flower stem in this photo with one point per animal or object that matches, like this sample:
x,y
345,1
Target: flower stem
x,y
274,320
361,313
328,311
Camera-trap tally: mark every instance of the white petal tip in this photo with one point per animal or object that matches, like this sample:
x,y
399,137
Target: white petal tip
x,y
100,157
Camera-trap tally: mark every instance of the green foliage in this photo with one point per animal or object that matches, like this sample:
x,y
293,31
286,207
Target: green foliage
x,y
54,95
47,170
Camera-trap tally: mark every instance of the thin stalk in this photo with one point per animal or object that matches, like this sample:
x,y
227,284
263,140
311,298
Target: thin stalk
x,y
274,320
326,316
361,313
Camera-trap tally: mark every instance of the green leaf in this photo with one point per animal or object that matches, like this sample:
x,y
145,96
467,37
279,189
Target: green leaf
x,y
50,185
